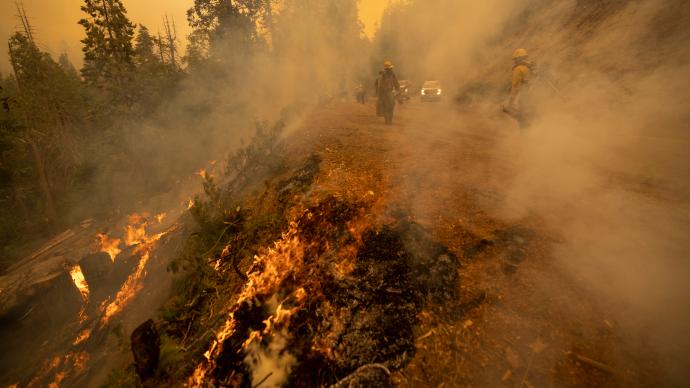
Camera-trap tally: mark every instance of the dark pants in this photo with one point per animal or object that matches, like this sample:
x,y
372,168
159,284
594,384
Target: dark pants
x,y
387,106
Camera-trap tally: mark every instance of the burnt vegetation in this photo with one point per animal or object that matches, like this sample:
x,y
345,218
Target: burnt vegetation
x,y
353,293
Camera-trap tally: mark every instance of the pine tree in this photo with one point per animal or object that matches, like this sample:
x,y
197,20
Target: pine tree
x,y
48,108
108,50
66,64
144,48
222,24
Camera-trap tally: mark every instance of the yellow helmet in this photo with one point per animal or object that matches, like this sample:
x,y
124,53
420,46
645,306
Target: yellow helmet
x,y
387,65
519,53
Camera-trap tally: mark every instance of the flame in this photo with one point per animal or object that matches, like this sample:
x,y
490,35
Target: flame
x,y
202,173
161,217
128,290
80,281
190,204
279,262
111,246
136,235
135,231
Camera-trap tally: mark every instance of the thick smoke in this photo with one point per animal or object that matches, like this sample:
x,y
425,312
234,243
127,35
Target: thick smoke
x,y
607,167
605,163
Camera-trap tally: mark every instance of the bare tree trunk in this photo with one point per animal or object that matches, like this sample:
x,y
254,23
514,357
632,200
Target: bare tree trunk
x,y
161,51
28,31
171,36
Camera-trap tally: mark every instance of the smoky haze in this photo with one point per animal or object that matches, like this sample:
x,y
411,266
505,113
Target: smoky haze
x,y
605,163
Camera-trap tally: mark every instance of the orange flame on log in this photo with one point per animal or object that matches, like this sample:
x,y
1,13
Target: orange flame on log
x,y
79,281
127,292
111,246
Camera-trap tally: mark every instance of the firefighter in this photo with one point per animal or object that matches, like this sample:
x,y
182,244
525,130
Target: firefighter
x,y
361,93
519,105
387,86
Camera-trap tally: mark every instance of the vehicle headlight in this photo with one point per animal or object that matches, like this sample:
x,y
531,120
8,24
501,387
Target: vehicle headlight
x,y
438,92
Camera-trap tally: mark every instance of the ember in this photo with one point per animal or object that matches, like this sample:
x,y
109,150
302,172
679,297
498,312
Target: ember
x,y
160,217
83,336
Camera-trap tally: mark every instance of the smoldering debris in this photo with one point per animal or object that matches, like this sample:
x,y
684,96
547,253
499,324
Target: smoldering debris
x,y
348,300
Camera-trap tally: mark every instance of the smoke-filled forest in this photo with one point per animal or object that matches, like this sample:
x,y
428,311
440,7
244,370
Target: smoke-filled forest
x,y
296,193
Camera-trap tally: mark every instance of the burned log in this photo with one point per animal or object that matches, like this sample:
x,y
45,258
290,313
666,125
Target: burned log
x,y
96,268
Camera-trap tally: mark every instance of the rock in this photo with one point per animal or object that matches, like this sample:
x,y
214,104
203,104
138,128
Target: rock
x,y
145,342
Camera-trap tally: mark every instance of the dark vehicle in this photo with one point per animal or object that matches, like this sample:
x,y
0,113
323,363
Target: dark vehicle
x,y
404,93
431,91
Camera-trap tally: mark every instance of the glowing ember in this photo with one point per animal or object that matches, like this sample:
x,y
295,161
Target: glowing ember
x,y
58,379
197,379
128,290
202,173
80,359
83,336
111,246
83,316
79,281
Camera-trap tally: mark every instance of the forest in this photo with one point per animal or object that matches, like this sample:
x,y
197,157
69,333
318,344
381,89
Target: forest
x,y
118,130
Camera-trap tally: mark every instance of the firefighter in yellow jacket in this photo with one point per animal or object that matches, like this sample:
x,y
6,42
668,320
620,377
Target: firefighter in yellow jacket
x,y
519,105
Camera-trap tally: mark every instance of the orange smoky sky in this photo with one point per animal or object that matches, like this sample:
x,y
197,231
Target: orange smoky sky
x,y
56,29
